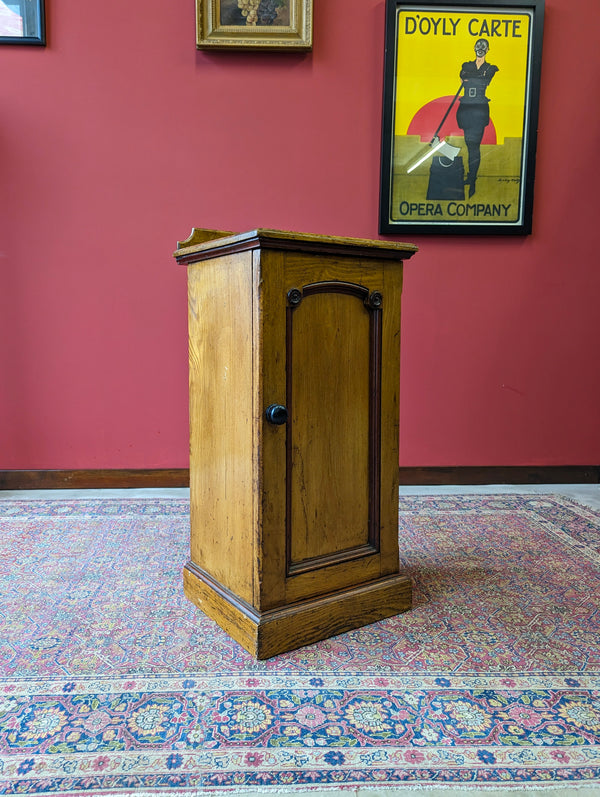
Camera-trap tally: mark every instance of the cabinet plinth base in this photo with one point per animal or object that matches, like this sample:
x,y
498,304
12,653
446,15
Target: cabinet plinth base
x,y
268,633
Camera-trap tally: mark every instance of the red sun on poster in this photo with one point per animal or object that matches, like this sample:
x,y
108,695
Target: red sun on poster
x,y
428,118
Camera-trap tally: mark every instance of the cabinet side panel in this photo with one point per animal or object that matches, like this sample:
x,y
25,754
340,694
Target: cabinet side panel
x,y
390,422
222,457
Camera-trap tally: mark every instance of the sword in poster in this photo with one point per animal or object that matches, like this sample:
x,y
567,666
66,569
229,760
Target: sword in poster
x,y
437,145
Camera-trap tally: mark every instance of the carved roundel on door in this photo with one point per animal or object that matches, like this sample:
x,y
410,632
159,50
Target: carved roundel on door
x,y
294,297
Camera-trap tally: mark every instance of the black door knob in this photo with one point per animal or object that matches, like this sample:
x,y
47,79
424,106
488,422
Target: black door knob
x,y
277,414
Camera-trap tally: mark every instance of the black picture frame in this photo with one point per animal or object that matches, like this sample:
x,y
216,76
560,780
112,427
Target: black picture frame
x,y
22,22
459,128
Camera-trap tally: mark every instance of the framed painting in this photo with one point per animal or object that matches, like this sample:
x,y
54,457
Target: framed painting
x,y
257,24
22,22
460,112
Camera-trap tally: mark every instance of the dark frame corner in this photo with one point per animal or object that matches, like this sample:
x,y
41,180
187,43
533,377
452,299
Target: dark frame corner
x,y
26,16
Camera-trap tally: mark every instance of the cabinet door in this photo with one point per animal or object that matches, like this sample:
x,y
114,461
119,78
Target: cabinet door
x,y
333,395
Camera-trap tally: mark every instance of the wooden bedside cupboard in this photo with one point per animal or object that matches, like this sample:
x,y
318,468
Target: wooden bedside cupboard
x,y
294,353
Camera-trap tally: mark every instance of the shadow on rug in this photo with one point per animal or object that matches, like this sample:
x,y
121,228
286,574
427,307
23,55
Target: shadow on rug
x,y
110,681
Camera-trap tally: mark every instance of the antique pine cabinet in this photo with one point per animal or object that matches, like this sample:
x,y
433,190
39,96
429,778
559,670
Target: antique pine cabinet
x,y
294,350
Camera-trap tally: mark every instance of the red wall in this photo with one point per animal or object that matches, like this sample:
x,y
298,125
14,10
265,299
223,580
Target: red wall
x,y
119,137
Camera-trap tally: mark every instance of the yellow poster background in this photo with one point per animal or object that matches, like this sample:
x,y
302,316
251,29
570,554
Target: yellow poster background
x,y
432,45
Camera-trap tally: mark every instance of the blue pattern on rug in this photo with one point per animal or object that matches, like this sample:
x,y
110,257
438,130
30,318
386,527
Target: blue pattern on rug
x,y
110,680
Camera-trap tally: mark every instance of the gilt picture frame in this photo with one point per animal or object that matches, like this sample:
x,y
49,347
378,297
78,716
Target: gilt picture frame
x,y
460,116
254,24
22,22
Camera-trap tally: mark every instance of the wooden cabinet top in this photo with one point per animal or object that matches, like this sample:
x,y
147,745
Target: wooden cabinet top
x,y
205,244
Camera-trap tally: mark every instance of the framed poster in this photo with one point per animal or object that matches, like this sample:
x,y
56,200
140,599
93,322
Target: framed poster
x,y
255,24
22,22
460,110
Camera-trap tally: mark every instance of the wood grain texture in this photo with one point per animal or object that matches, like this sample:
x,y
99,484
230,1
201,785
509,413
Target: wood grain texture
x,y
391,379
321,618
291,241
271,374
201,235
269,633
328,389
287,520
238,618
341,575
222,426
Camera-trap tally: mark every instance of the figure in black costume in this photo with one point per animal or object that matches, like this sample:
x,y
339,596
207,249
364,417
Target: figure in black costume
x,y
473,113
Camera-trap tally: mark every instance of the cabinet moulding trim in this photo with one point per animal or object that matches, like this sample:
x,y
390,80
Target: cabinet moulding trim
x,y
327,560
269,632
298,242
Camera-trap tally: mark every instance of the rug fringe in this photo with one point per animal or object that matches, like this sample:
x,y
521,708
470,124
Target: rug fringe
x,y
589,789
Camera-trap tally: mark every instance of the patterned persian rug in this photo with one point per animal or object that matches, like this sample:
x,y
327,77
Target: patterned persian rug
x,y
112,683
